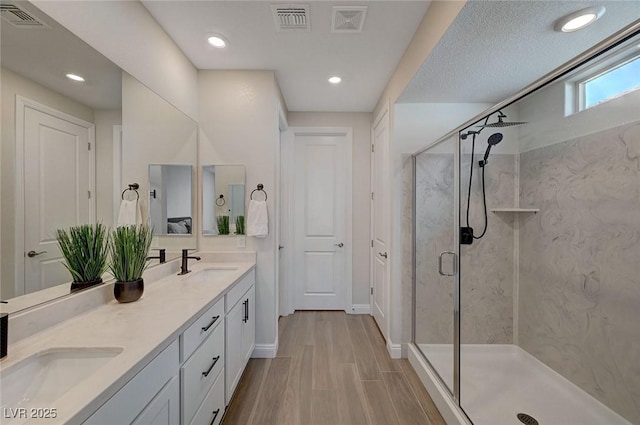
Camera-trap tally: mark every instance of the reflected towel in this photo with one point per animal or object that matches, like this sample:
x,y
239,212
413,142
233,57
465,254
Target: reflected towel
x,y
257,219
129,214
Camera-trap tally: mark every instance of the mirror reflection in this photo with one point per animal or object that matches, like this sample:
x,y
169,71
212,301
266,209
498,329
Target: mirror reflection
x,y
223,194
170,195
42,181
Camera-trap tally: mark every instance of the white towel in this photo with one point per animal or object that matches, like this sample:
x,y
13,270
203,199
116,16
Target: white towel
x,y
258,219
129,214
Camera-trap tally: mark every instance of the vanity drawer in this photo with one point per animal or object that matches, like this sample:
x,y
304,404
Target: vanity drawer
x,y
239,289
201,329
199,373
212,406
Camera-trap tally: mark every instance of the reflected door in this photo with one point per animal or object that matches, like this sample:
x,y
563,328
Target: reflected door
x,y
436,247
58,187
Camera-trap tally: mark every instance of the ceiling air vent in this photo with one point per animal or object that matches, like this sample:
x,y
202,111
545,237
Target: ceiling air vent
x,y
348,19
291,17
19,17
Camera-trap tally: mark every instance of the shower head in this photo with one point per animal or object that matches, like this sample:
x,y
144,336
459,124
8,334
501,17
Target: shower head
x,y
493,140
501,123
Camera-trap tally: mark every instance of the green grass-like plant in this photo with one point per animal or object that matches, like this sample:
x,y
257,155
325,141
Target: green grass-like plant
x,y
240,225
84,249
223,224
129,248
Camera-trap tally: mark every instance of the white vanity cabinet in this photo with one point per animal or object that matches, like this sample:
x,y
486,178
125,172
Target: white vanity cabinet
x,y
150,397
240,331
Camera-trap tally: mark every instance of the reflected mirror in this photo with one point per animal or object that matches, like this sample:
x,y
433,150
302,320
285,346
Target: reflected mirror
x,y
110,110
170,198
223,194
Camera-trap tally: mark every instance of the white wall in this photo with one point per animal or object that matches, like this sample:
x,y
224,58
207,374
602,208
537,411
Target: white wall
x,y
238,116
11,85
127,34
361,171
105,120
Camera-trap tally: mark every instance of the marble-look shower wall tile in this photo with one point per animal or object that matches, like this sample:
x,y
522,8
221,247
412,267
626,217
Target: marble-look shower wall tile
x,y
486,266
579,298
434,234
407,248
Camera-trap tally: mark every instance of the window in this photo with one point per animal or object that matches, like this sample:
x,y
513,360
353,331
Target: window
x,y
614,81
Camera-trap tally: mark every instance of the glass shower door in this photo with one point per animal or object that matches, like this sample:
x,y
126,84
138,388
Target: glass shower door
x,y
436,247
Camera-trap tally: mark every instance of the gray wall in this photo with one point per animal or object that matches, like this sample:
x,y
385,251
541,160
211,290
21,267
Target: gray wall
x,y
579,305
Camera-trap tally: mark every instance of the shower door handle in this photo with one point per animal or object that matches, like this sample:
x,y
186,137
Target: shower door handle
x,y
455,263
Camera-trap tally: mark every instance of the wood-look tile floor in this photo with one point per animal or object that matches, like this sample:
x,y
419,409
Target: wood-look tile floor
x,y
331,369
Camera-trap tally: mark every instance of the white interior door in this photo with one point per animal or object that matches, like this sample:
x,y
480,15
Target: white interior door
x,y
58,166
320,216
379,222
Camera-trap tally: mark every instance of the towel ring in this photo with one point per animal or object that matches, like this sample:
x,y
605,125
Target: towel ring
x,y
134,187
260,188
220,201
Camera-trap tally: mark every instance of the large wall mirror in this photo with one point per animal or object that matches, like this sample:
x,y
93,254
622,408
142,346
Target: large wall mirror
x,y
223,194
101,136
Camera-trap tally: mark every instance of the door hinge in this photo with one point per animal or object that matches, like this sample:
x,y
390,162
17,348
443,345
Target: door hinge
x,y
89,146
371,243
372,290
89,193
372,196
373,149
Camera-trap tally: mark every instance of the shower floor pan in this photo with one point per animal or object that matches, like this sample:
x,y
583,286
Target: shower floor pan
x,y
500,381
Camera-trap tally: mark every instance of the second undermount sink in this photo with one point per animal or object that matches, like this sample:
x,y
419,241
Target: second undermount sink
x,y
43,378
210,273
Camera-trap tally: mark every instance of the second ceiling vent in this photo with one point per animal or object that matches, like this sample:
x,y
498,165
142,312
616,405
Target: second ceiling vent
x,y
291,17
348,19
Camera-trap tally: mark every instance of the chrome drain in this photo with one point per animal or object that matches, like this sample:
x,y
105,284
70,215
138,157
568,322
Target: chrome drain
x,y
527,419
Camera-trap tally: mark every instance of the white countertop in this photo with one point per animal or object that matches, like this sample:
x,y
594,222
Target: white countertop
x,y
142,329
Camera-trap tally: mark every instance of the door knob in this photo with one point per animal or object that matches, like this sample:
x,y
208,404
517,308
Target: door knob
x,y
383,254
339,245
32,253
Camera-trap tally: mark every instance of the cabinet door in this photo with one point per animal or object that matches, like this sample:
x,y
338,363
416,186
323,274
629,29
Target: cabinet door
x,y
234,356
249,326
164,409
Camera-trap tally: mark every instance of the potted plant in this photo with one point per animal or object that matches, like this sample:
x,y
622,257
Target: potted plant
x,y
84,249
223,224
129,248
240,225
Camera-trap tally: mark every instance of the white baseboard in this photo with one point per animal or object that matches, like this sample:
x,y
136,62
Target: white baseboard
x,y
265,351
360,309
395,350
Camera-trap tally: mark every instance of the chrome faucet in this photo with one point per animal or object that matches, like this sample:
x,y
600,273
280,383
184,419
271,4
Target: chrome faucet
x,y
162,256
184,269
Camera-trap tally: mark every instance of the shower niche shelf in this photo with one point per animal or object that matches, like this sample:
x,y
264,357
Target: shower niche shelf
x,y
516,210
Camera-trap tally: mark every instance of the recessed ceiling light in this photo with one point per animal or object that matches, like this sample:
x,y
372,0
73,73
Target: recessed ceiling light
x,y
217,41
75,77
335,79
580,19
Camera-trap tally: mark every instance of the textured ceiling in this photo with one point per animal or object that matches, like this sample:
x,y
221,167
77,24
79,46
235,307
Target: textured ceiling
x,y
302,61
495,48
46,55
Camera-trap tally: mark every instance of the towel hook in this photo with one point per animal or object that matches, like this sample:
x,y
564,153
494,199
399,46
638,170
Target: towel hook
x,y
134,187
259,188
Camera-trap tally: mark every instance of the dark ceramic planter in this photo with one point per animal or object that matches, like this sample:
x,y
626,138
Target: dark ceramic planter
x,y
78,286
126,292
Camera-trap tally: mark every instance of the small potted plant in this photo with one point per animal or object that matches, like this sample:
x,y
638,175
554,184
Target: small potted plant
x,y
240,225
223,224
84,249
129,248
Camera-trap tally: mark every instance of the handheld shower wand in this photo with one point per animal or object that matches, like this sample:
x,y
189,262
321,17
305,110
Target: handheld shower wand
x,y
493,140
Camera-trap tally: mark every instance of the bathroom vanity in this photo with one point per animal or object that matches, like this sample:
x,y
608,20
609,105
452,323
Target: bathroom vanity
x,y
173,357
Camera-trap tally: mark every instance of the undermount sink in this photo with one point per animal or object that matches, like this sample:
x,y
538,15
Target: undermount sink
x,y
210,273
43,378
